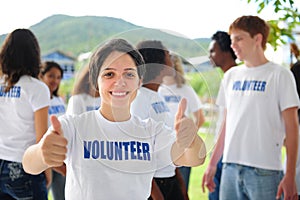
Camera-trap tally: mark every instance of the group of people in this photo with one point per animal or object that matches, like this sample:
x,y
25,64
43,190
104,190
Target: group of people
x,y
130,128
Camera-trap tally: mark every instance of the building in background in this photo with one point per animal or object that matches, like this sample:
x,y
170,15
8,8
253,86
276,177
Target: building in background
x,y
65,61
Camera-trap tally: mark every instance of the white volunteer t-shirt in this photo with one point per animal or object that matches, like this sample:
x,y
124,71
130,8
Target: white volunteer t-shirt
x,y
254,99
57,107
17,108
148,104
113,160
80,103
172,96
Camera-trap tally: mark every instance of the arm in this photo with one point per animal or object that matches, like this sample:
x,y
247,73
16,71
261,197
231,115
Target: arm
x,y
41,122
189,149
208,177
288,183
41,126
155,192
50,151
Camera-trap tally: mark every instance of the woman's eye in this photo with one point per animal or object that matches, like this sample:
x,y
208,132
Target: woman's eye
x,y
108,74
130,74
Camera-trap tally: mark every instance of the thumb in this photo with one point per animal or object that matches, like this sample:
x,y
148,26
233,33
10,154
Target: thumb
x,y
279,192
56,126
181,109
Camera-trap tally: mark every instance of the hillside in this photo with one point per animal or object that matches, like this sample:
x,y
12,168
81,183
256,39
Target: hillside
x,y
75,35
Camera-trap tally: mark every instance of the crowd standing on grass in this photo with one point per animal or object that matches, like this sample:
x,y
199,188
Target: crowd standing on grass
x,y
51,74
221,55
24,103
110,144
137,149
261,103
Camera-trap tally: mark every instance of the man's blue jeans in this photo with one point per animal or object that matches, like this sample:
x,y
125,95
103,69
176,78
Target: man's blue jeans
x,y
243,182
15,183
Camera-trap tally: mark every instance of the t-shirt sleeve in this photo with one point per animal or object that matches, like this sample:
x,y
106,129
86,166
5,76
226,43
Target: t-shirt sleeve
x,y
41,96
194,101
288,96
74,106
164,139
221,101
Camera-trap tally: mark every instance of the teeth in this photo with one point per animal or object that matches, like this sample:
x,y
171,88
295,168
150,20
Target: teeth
x,y
118,93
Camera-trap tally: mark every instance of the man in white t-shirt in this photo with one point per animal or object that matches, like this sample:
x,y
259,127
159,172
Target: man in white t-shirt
x,y
261,102
220,55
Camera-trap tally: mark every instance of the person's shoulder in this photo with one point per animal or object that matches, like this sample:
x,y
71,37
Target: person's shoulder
x,y
80,118
148,122
30,83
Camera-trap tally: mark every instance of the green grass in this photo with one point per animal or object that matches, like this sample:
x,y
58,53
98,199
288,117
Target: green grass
x,y
195,188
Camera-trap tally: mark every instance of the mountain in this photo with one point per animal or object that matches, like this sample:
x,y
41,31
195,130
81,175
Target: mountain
x,y
75,35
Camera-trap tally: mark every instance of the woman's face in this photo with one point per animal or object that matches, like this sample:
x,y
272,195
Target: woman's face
x,y
118,80
52,79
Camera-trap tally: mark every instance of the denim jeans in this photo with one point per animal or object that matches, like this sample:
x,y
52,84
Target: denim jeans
x,y
15,183
58,186
243,182
185,172
217,179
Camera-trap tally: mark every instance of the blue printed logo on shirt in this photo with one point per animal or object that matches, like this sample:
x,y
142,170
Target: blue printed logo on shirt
x,y
160,107
115,150
252,85
14,92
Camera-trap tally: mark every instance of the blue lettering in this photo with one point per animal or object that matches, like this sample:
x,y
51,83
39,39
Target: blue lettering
x,y
126,144
103,156
252,85
56,109
116,150
132,149
138,150
87,149
236,85
160,107
109,149
172,98
146,149
14,92
95,149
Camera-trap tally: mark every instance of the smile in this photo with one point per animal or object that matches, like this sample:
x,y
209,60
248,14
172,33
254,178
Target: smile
x,y
119,94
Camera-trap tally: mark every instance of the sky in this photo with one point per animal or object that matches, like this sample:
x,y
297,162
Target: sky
x,y
189,18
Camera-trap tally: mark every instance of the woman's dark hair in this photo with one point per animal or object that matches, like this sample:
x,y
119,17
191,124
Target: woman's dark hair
x,y
104,51
20,55
47,66
154,55
83,85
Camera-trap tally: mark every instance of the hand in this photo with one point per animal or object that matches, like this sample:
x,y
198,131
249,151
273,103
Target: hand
x,y
185,127
287,186
208,179
61,170
54,145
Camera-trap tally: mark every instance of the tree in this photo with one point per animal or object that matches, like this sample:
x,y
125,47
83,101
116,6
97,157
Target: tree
x,y
289,16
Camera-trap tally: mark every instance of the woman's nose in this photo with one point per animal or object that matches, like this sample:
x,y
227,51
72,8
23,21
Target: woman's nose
x,y
120,81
